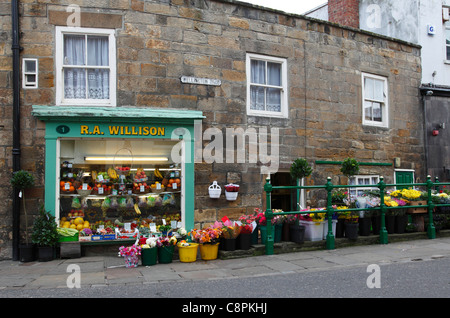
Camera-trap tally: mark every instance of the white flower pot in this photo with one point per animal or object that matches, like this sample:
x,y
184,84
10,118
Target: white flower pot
x,y
231,196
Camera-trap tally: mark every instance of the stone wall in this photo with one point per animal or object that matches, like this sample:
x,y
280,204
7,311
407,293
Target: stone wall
x,y
160,41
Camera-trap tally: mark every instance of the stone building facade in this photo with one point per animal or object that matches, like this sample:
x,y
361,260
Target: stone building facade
x,y
327,74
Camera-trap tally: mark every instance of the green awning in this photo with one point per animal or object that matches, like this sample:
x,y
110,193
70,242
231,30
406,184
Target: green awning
x,y
117,114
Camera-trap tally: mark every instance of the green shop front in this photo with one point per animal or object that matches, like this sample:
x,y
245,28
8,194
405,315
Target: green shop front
x,y
119,168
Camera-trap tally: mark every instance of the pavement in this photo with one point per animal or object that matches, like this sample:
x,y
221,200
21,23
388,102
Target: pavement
x,y
103,270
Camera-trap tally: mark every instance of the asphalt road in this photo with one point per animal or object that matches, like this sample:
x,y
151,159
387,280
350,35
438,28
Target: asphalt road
x,y
413,279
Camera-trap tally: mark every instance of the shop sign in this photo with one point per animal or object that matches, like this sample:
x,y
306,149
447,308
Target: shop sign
x,y
118,130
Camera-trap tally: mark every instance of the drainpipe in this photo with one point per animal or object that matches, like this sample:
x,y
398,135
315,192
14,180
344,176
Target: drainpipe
x,y
16,123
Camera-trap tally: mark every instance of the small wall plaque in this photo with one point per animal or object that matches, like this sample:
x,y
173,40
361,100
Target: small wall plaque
x,y
200,81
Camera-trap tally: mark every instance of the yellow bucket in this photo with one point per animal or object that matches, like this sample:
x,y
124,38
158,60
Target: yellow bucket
x,y
188,254
209,251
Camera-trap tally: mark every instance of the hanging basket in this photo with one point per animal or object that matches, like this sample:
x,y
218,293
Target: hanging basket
x,y
123,170
214,190
231,196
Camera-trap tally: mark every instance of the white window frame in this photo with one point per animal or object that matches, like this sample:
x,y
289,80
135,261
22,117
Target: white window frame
x,y
354,191
25,73
59,49
446,46
284,86
385,103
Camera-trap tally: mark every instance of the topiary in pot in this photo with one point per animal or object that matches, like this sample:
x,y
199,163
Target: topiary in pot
x,y
350,167
22,180
300,169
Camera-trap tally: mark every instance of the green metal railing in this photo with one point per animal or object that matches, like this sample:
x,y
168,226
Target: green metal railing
x,y
330,239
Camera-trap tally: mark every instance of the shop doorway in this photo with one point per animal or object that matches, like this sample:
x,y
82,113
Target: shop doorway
x,y
284,199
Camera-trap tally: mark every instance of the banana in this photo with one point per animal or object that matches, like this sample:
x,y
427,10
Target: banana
x,y
136,208
158,174
112,173
94,175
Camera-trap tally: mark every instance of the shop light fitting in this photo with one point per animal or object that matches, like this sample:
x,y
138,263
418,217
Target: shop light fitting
x,y
131,159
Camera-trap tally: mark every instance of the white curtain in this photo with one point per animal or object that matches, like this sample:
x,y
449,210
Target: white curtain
x,y
265,98
76,50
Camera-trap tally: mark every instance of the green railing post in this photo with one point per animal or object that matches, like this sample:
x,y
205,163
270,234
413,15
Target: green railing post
x,y
383,231
269,217
431,231
330,237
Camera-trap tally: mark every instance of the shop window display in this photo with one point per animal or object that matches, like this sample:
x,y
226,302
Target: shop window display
x,y
119,186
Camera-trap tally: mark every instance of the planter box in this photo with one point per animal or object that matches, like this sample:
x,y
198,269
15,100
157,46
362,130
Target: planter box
x,y
313,230
418,210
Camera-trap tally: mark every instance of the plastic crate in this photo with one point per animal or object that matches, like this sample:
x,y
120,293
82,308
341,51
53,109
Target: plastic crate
x,y
73,238
313,230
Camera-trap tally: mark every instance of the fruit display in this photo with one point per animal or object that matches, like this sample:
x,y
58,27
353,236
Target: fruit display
x,y
100,202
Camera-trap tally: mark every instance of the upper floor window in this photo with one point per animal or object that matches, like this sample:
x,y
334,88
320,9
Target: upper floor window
x,y
375,100
85,66
447,41
30,73
266,86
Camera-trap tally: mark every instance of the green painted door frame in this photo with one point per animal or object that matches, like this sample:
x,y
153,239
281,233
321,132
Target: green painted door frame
x,y
119,123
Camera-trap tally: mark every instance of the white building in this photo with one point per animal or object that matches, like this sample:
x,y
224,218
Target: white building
x,y
423,22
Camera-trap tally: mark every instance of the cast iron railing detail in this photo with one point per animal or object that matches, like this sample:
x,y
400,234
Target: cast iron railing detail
x,y
383,208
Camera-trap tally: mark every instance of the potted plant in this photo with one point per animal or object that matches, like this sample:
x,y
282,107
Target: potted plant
x,y
350,167
249,221
244,241
149,251
130,254
296,230
45,235
351,225
166,246
365,217
22,180
230,231
209,240
299,170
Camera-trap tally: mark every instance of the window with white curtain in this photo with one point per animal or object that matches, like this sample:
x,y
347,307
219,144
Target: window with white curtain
x,y
375,100
266,86
86,66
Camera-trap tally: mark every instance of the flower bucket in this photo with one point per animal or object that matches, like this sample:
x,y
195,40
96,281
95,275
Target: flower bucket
x,y
228,244
149,256
244,241
263,230
188,254
165,254
297,233
278,232
351,230
131,261
313,230
209,251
